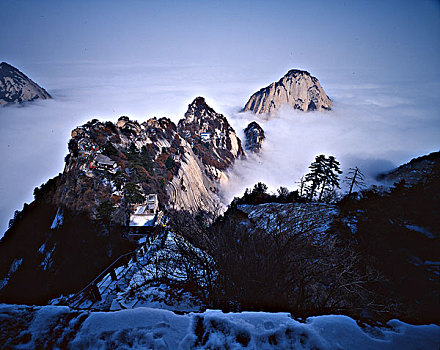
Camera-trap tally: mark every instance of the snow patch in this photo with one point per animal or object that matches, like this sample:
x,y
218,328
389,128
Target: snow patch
x,y
146,328
58,221
42,248
14,267
47,260
421,230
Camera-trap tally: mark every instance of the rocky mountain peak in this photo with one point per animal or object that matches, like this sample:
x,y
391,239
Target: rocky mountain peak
x,y
199,104
6,67
211,136
297,88
254,137
199,111
181,165
16,87
297,72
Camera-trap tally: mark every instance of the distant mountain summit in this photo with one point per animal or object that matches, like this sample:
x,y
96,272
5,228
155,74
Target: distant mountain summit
x,y
297,88
16,87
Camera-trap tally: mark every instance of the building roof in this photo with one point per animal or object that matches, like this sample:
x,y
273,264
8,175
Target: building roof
x,y
104,160
140,210
142,220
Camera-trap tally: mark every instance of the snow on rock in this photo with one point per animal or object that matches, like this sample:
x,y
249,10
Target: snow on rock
x,y
290,217
47,259
421,230
13,269
161,263
15,265
57,327
137,282
58,221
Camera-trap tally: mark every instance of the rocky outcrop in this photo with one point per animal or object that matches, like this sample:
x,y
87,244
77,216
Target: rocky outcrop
x,y
254,137
212,138
16,87
297,88
182,164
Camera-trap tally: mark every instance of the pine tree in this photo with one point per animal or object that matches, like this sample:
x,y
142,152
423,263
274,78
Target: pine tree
x,y
170,163
133,194
146,160
324,175
331,175
316,174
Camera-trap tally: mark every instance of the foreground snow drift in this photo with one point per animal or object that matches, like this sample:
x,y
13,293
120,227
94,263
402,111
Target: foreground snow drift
x,y
61,327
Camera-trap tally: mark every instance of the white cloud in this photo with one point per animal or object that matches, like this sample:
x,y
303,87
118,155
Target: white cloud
x,y
372,125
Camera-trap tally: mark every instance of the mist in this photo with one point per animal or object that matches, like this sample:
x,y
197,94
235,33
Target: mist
x,y
375,127
376,123
144,59
34,136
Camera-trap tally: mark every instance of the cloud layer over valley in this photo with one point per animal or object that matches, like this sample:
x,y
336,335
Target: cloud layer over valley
x,y
377,60
374,124
370,126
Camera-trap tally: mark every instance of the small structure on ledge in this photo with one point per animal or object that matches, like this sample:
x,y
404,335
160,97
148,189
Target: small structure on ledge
x,y
152,203
142,217
105,163
205,136
145,218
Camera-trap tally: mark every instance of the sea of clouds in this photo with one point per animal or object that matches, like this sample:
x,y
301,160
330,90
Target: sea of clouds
x,y
374,127
374,124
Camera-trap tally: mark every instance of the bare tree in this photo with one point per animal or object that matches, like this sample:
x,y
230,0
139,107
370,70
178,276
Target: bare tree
x,y
281,257
355,178
303,188
282,260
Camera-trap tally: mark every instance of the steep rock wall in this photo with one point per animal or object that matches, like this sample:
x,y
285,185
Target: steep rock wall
x,y
297,88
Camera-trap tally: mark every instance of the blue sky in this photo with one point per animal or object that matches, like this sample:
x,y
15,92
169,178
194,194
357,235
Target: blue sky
x,y
377,60
385,36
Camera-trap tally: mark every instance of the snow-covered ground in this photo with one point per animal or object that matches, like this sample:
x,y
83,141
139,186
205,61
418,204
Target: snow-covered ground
x,y
139,282
138,310
56,327
276,218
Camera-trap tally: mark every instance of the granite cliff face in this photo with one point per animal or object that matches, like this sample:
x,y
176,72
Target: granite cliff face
x,y
16,87
297,88
254,137
213,140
